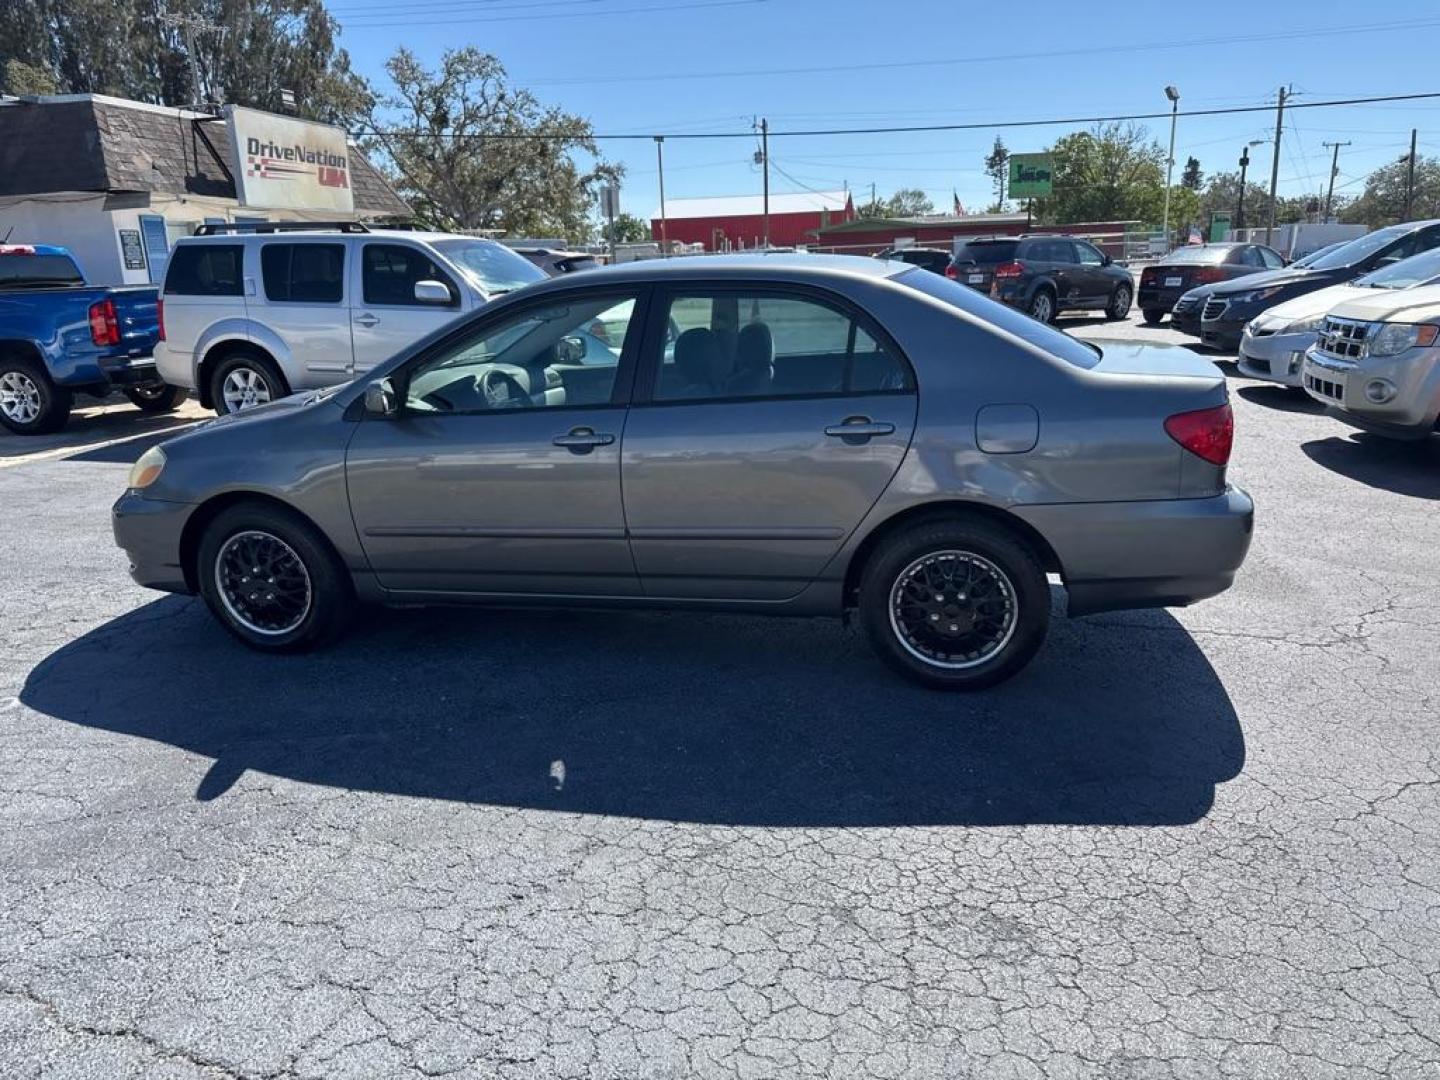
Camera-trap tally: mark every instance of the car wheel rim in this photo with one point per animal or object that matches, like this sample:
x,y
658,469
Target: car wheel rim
x,y
1042,307
19,397
953,609
1122,303
244,388
263,583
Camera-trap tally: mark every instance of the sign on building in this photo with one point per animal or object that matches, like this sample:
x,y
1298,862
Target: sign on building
x,y
1031,176
289,164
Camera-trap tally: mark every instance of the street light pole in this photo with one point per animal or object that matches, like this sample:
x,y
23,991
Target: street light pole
x,y
765,153
660,163
1174,96
1240,203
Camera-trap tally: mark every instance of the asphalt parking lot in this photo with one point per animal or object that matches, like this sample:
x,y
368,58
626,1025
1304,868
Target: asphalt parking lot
x,y
1195,843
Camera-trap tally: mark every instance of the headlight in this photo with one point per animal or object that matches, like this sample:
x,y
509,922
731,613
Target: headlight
x,y
1394,338
1257,295
1305,326
148,469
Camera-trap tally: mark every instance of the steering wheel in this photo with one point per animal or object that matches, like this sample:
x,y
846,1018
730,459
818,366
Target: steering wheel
x,y
501,391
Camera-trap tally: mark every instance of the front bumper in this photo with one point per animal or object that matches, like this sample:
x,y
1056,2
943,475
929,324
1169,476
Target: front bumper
x,y
1275,357
1414,375
149,531
1223,333
1165,553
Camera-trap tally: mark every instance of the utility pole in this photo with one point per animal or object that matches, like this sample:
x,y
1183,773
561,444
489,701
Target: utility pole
x,y
1174,96
765,154
1410,177
189,26
1334,171
1240,203
1275,165
660,162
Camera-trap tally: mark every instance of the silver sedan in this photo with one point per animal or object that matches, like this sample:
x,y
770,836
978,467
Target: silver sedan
x,y
796,435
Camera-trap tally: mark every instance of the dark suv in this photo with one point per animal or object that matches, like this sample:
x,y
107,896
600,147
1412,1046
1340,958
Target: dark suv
x,y
932,259
1045,275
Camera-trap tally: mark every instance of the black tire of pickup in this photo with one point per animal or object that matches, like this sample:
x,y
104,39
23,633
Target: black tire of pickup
x,y
30,404
160,398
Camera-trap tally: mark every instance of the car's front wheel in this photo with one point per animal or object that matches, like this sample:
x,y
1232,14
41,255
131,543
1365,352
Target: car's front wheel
x,y
955,604
272,580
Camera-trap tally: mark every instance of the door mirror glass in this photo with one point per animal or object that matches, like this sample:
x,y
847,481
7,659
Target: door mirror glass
x,y
570,349
380,398
432,292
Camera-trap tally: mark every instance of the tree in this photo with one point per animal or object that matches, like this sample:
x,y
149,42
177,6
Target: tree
x,y
630,229
471,151
1113,172
906,202
997,167
1222,194
18,77
1383,201
1192,178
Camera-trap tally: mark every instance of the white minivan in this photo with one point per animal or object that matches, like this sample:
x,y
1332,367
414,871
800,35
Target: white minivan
x,y
251,313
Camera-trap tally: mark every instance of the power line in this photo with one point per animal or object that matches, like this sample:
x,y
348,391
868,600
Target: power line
x,y
918,128
460,18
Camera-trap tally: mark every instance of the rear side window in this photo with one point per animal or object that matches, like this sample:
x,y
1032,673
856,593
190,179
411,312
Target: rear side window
x,y
37,271
204,270
390,271
987,253
303,273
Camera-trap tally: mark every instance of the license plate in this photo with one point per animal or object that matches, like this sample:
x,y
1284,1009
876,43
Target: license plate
x,y
1173,282
976,279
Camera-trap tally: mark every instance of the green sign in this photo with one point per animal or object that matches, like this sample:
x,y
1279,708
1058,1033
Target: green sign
x,y
1219,226
1030,176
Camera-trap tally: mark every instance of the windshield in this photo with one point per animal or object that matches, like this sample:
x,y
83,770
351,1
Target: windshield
x,y
1356,250
38,271
1318,253
1042,335
1203,256
1422,269
986,253
493,267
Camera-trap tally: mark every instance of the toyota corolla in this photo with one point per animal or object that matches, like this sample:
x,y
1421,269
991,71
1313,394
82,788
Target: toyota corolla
x,y
793,435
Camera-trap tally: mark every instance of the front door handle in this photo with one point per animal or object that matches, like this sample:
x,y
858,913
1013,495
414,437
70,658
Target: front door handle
x,y
582,440
366,320
859,428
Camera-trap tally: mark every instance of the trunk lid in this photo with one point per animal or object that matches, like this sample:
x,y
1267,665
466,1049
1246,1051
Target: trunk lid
x,y
1123,358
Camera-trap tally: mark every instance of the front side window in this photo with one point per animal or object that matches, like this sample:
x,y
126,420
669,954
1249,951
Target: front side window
x,y
204,270
1089,256
303,273
390,272
565,354
763,345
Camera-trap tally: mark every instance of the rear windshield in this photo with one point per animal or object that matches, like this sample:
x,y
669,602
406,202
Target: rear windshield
x,y
1041,335
992,251
494,267
1356,250
1422,269
38,271
1197,256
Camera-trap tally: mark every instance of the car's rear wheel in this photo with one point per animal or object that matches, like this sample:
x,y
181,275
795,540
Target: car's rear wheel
x,y
955,604
1153,316
1119,304
243,380
157,398
1042,305
30,404
271,579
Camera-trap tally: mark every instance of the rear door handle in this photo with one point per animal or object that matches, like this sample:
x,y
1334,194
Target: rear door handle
x,y
859,427
582,440
366,320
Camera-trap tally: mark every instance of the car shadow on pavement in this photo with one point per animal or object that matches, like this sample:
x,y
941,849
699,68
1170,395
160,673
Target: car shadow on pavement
x,y
1406,468
1281,398
681,717
96,426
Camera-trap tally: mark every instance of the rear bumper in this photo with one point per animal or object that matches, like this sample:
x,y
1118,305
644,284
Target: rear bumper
x,y
1157,299
148,531
1166,553
130,371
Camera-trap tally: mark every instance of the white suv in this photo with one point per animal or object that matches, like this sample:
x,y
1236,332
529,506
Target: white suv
x,y
249,314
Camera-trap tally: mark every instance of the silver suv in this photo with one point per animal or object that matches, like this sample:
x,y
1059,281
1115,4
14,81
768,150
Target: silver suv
x,y
1376,363
252,313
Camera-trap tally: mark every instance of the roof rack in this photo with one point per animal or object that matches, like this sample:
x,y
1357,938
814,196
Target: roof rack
x,y
221,227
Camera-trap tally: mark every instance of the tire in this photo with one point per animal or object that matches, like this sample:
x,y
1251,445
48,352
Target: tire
x,y
1119,306
161,398
1153,316
240,370
997,564
1042,305
313,610
30,404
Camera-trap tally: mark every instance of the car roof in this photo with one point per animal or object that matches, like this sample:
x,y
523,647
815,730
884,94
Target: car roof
x,y
773,266
374,232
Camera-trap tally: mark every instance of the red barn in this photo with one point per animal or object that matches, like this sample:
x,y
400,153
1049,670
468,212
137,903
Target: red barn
x,y
729,222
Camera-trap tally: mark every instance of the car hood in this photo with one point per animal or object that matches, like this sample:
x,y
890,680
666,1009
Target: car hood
x,y
1269,278
1311,304
1393,305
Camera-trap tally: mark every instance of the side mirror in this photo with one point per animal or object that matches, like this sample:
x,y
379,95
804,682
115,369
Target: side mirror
x,y
1105,260
570,349
380,398
433,292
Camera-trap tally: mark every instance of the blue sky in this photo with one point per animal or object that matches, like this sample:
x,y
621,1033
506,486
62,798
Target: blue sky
x,y
697,66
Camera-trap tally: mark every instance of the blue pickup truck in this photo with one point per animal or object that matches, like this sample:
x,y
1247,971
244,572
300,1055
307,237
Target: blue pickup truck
x,y
60,337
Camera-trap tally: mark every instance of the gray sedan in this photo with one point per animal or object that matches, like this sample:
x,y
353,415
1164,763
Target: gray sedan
x,y
795,435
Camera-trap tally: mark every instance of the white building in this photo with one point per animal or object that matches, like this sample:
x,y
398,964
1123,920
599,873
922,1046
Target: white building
x,y
117,181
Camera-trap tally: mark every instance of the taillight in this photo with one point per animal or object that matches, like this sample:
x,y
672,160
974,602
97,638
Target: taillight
x,y
951,272
1207,275
104,326
1206,433
1148,275
1010,269
160,316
